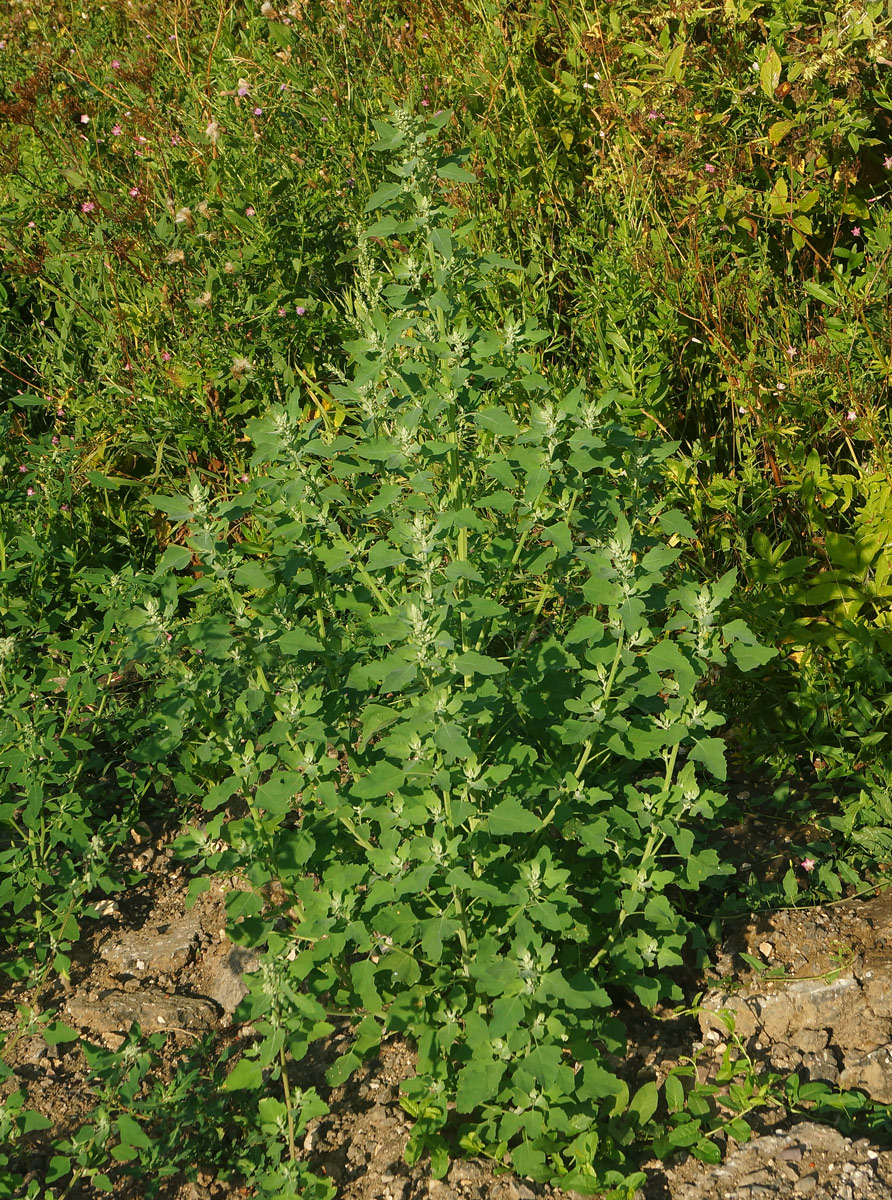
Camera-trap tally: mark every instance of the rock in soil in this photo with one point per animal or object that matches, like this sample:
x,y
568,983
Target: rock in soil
x,y
111,1013
807,1160
154,949
829,1015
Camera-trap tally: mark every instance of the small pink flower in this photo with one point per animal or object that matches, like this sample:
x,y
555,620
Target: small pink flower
x,y
258,112
165,356
87,206
55,441
134,191
425,103
851,416
709,168
300,310
23,470
64,507
175,139
243,91
30,491
115,65
249,212
887,162
808,864
325,118
117,130
243,478
791,352
856,231
60,412
142,140
85,120
282,312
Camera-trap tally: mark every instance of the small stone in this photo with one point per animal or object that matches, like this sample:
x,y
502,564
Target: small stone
x,y
806,1184
791,1154
766,949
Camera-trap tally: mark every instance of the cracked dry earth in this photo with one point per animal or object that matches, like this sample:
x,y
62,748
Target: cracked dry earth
x,y
152,961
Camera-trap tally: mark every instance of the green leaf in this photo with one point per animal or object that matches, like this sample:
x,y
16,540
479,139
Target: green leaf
x,y
674,522
478,1082
252,575
770,72
296,640
174,558
58,1032
673,1091
707,1152
59,1167
643,1104
711,752
778,130
472,663
132,1134
247,1075
455,174
177,508
278,794
384,777
509,817
342,1068
31,1120
496,420
750,657
821,293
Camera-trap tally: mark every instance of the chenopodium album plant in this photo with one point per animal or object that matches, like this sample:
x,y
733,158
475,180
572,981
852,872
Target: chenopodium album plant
x,y
451,695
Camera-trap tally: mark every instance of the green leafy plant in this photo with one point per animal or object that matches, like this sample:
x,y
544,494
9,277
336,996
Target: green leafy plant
x,y
470,735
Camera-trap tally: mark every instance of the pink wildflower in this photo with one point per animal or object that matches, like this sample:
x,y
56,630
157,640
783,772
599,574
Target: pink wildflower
x,y
258,112
808,864
134,191
87,206
300,310
85,120
117,130
165,356
709,168
23,470
856,231
282,312
115,65
249,212
30,491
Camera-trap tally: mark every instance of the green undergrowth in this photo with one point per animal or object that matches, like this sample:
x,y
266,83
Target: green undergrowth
x,y
431,439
